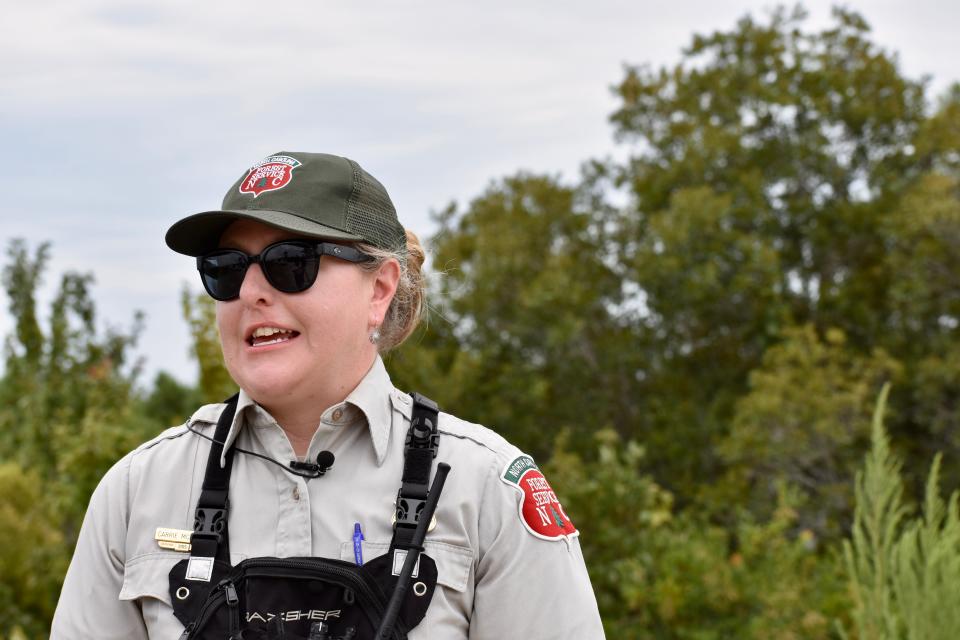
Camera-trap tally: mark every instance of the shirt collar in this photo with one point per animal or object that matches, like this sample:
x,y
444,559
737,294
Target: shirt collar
x,y
371,397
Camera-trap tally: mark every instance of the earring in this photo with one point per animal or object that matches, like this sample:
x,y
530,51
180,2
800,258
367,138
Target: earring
x,y
375,335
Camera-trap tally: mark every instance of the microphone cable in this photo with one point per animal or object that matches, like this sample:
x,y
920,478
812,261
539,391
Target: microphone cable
x,y
308,470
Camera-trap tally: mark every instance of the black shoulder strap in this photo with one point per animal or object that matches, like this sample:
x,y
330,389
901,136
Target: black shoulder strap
x,y
210,537
420,449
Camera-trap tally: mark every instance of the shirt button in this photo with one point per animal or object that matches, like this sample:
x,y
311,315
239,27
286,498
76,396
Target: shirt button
x,y
337,414
296,493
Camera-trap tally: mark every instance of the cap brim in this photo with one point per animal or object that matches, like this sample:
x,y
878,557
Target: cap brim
x,y
200,233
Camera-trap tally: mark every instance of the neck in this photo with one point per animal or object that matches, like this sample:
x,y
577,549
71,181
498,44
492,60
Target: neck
x,y
299,414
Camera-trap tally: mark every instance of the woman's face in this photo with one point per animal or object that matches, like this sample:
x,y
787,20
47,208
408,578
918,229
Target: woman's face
x,y
322,349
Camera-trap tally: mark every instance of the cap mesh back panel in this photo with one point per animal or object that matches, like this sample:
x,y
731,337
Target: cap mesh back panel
x,y
371,214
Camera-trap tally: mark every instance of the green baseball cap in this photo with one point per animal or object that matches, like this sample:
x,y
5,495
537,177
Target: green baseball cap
x,y
312,194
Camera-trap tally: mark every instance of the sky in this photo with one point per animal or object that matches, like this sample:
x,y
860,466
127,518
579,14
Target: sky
x,y
119,118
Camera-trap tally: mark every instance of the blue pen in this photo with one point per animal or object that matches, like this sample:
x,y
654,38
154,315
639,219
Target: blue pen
x,y
357,546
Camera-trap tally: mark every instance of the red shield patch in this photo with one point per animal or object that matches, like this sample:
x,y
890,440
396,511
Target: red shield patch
x,y
269,174
540,510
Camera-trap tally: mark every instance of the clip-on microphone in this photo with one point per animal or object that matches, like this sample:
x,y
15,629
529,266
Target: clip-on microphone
x,y
314,469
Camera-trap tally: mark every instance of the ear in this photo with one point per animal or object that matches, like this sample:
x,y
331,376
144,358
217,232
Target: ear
x,y
385,281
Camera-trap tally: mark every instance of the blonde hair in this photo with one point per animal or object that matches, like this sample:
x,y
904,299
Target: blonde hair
x,y
406,308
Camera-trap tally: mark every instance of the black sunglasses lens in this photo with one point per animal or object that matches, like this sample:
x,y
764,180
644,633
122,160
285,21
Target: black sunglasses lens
x,y
290,267
222,273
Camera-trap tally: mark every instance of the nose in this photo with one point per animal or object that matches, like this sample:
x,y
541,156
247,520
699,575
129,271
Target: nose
x,y
255,288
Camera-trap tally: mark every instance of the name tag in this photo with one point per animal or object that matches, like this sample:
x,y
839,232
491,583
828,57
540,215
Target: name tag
x,y
174,539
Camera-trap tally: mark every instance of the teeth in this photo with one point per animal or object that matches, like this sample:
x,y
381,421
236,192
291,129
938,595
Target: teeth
x,y
264,332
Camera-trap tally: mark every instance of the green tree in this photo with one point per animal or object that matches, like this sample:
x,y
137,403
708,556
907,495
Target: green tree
x,y
523,318
171,402
55,378
805,421
715,303
68,410
200,312
771,180
924,259
32,557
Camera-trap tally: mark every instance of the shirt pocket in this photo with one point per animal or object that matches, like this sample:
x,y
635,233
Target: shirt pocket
x,y
453,561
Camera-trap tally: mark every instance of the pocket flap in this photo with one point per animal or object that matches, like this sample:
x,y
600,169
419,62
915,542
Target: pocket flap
x,y
453,562
147,576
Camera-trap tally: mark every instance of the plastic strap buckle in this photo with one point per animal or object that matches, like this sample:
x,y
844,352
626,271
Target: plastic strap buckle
x,y
423,425
409,510
209,522
423,435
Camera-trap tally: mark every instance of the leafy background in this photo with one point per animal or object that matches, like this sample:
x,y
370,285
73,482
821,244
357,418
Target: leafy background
x,y
692,339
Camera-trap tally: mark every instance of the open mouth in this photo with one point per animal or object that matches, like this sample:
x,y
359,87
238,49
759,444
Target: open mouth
x,y
265,336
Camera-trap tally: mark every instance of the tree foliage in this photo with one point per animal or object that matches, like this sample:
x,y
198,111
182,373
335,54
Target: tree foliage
x,y
780,181
903,571
523,314
660,573
773,170
200,312
32,559
805,420
68,410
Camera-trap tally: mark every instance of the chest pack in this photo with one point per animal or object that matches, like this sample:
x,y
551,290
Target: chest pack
x,y
311,598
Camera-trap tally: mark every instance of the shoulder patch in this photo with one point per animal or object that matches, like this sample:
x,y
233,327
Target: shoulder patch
x,y
540,511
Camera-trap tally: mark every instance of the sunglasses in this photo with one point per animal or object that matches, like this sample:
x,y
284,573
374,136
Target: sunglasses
x,y
290,266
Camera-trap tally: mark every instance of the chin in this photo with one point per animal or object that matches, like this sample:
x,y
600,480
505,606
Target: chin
x,y
269,392
268,384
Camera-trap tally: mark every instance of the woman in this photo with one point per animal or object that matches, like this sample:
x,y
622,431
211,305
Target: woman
x,y
314,278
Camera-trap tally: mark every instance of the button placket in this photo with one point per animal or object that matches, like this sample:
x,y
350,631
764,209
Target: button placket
x,y
301,535
282,510
293,534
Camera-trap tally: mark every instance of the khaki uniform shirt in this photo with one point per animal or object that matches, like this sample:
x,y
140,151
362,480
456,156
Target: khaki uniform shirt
x,y
497,580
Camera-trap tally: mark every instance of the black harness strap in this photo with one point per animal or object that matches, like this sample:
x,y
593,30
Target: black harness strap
x,y
210,537
420,449
196,582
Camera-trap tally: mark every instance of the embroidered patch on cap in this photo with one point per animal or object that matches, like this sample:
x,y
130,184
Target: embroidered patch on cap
x,y
540,511
269,174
